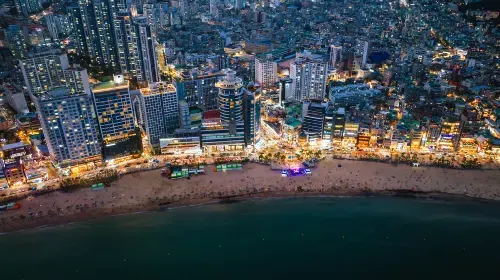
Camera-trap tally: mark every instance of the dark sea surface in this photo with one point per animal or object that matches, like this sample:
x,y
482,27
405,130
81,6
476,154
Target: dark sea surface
x,y
286,238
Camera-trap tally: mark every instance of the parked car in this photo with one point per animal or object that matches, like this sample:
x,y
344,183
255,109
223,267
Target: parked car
x,y
284,173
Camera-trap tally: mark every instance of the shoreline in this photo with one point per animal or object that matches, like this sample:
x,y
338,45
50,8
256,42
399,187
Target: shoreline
x,y
403,194
148,191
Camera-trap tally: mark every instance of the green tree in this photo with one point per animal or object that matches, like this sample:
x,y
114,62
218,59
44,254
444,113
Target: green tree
x,y
283,157
277,156
318,154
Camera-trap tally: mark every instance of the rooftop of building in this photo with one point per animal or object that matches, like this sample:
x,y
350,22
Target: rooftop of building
x,y
195,75
276,54
194,110
214,114
7,147
293,122
118,82
58,93
157,88
27,116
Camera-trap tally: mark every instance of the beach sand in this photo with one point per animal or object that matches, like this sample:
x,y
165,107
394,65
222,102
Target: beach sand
x,y
148,190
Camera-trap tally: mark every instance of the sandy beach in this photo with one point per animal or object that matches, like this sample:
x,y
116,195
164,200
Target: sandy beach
x,y
146,191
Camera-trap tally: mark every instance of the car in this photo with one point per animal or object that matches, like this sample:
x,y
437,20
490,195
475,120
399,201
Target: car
x,y
308,171
284,173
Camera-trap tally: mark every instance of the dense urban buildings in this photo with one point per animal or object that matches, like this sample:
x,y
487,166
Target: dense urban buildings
x,y
99,82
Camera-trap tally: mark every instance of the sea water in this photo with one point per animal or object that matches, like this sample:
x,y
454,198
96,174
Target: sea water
x,y
287,238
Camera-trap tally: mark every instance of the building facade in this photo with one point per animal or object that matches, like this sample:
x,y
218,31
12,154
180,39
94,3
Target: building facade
x,y
47,70
146,47
309,72
252,114
198,89
159,108
70,127
266,71
16,40
230,98
27,7
113,106
97,19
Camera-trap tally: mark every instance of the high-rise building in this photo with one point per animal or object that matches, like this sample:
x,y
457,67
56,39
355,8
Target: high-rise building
x,y
286,90
148,11
266,71
328,124
230,98
184,117
313,119
47,70
162,20
335,54
69,125
113,106
16,100
16,40
198,89
77,34
97,18
148,56
127,44
159,108
365,54
26,7
57,24
252,114
338,126
308,73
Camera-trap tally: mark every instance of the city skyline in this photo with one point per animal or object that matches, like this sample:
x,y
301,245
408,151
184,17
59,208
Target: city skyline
x,y
94,91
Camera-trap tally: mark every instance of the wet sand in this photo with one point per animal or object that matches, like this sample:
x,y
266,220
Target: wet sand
x,y
148,190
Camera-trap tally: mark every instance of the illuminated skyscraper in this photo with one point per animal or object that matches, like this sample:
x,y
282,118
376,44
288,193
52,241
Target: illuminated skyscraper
x,y
48,70
308,73
69,125
198,89
26,7
266,71
252,107
146,47
230,98
335,54
77,34
113,106
97,20
126,44
160,109
16,40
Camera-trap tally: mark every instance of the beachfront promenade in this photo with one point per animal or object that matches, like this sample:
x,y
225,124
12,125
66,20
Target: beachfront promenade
x,y
149,190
